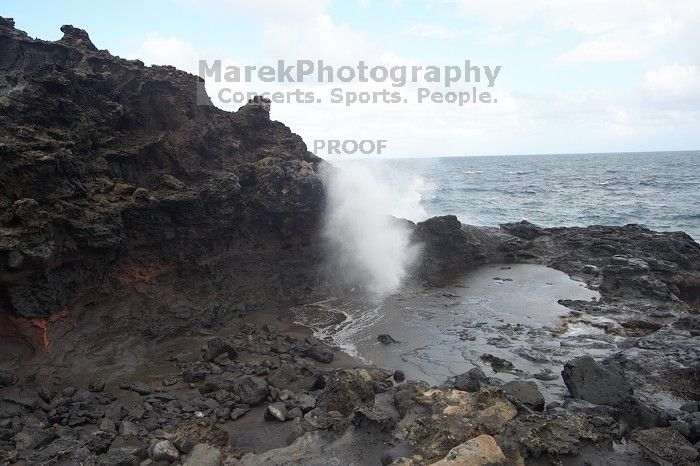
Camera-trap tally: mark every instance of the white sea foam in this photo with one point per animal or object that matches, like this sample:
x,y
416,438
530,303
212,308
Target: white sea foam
x,y
337,322
366,247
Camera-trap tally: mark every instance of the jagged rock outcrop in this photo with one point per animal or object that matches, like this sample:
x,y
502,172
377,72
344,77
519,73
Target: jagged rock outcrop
x,y
120,192
622,261
627,261
447,248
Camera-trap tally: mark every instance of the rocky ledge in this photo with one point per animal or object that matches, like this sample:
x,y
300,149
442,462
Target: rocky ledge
x,y
122,196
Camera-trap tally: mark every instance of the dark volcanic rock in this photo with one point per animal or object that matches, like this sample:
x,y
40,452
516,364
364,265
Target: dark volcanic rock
x,y
634,261
96,386
252,390
666,444
497,364
217,346
7,378
113,175
320,354
194,373
138,387
553,432
524,230
447,248
589,380
345,391
291,377
470,381
386,339
61,451
526,392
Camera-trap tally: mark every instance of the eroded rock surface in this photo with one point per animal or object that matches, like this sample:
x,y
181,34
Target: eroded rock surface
x,y
118,185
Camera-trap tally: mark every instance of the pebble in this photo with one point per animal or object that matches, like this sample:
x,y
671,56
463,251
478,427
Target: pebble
x,y
386,339
237,412
276,411
107,425
96,386
165,451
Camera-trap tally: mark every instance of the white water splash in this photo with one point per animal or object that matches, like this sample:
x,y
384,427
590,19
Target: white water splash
x,y
367,248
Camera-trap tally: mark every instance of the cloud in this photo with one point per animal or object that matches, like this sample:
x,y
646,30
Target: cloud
x,y
607,48
501,12
266,10
317,37
156,49
609,31
656,105
495,36
673,83
431,31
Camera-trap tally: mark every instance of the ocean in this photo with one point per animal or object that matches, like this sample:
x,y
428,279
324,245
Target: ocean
x,y
660,191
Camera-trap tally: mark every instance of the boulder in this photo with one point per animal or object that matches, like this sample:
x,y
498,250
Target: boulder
x,y
665,444
405,396
304,402
203,455
591,381
394,453
374,419
98,441
251,390
690,323
236,413
690,407
276,411
346,390
554,433
479,451
139,387
194,373
318,418
470,381
31,438
320,354
445,418
446,248
526,392
292,377
194,431
165,451
63,450
218,346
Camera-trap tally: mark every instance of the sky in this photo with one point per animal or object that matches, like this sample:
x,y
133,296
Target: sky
x,y
576,76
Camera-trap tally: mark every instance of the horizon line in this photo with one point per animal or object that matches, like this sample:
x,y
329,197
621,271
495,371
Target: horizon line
x,y
382,157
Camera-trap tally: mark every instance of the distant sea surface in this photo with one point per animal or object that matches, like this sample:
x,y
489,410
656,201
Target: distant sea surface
x,y
660,191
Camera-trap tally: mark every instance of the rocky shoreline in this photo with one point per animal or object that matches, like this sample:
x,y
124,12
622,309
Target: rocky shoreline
x,y
269,393
150,248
